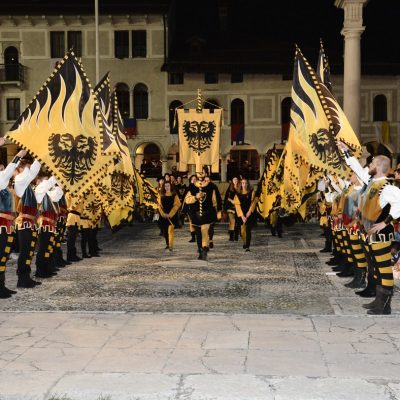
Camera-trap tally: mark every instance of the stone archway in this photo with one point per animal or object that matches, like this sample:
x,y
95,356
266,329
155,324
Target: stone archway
x,y
148,158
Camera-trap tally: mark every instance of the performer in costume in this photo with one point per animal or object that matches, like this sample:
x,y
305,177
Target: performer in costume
x,y
26,221
202,199
351,223
380,206
245,202
180,188
275,218
73,223
229,207
186,210
7,216
58,198
168,207
46,227
208,180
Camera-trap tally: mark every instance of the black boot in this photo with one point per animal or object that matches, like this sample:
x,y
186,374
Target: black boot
x,y
335,260
236,234
382,302
231,236
339,268
193,238
348,270
4,293
86,255
370,290
358,280
25,281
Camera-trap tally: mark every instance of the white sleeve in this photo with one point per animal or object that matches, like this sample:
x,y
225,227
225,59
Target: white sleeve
x,y
329,197
43,188
55,193
361,172
321,185
23,179
335,186
391,194
6,175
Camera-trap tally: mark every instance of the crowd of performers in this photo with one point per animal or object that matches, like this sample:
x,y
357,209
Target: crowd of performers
x,y
359,222
35,213
201,201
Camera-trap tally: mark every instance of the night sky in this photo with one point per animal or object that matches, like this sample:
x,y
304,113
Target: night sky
x,y
257,34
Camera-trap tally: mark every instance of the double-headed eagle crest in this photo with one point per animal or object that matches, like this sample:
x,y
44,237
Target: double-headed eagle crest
x,y
74,157
199,135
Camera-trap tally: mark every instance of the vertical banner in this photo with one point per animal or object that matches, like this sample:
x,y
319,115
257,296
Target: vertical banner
x,y
199,137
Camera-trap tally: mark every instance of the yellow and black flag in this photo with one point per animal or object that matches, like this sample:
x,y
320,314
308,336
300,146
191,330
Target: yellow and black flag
x,y
317,122
269,184
103,94
323,70
148,194
62,127
199,137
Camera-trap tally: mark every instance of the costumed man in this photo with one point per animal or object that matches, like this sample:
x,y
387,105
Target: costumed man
x,y
351,223
380,206
25,222
229,208
324,208
73,223
58,198
207,178
186,210
180,188
88,225
7,217
202,199
275,219
168,207
46,228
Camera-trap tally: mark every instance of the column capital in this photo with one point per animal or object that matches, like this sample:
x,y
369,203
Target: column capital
x,y
353,12
352,32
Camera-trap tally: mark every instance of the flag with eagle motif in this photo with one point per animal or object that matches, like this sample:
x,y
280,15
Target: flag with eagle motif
x,y
317,122
269,185
148,194
63,128
199,137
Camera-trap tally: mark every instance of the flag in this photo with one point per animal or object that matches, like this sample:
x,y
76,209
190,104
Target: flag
x,y
148,194
237,133
317,122
130,127
103,94
323,70
269,185
62,128
199,137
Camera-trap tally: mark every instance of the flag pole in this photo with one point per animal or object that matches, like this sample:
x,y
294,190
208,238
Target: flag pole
x,y
96,16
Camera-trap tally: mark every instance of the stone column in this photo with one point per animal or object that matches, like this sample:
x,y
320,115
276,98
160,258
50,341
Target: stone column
x,y
164,166
352,30
223,167
262,164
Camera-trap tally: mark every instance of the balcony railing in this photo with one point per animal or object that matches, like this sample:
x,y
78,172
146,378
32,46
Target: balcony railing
x,y
12,73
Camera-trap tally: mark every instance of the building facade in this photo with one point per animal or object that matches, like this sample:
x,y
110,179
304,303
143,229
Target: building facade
x,y
133,50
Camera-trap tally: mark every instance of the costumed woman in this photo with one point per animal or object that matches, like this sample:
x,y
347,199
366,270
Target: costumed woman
x,y
168,207
245,203
229,208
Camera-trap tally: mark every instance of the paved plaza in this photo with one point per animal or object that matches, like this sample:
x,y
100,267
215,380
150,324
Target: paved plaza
x,y
143,323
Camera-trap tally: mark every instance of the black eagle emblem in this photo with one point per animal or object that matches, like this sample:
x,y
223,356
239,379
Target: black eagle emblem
x,y
74,157
121,185
199,135
290,199
323,144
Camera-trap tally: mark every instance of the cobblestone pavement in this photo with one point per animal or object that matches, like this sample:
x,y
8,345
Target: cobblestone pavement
x,y
135,273
140,323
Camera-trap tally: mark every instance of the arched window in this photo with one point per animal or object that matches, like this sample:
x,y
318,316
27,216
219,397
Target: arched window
x,y
285,118
122,92
140,101
211,104
11,63
380,108
173,128
151,154
237,121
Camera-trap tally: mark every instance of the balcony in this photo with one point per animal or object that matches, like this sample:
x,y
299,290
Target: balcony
x,y
12,74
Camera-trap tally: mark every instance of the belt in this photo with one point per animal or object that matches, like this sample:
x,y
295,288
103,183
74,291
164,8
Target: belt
x,y
52,221
27,216
7,216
